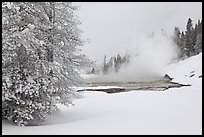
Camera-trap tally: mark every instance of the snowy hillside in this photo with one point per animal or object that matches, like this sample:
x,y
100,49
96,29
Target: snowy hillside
x,y
186,71
174,111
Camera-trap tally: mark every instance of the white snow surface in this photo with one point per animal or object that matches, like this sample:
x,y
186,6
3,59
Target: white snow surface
x,y
176,111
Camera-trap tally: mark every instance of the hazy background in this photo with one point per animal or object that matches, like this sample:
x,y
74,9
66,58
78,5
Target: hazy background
x,y
116,27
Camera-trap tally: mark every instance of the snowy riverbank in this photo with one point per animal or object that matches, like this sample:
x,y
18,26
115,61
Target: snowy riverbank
x,y
175,111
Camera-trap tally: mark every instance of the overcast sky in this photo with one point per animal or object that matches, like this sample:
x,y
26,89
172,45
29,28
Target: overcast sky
x,y
113,26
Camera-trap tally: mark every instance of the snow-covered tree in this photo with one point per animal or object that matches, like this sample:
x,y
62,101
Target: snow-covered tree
x,y
40,59
105,66
190,38
179,40
176,35
117,62
198,44
182,46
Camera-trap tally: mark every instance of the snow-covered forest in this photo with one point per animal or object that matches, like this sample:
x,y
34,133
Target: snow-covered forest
x,y
67,71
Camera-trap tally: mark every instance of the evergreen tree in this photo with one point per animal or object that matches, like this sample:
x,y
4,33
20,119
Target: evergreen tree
x,y
176,36
92,71
110,62
105,66
190,38
182,46
198,44
179,40
117,61
40,59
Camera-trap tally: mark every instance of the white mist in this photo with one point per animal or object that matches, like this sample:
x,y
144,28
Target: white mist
x,y
149,57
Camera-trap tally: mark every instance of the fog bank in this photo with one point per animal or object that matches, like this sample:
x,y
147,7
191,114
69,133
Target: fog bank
x,y
149,56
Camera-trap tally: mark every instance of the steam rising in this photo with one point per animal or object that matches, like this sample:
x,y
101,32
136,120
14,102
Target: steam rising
x,y
149,57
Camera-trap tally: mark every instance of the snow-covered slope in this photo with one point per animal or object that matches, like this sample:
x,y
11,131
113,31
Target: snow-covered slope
x,y
186,71
174,111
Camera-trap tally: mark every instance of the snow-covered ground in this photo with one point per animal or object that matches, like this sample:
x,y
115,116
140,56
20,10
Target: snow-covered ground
x,y
174,111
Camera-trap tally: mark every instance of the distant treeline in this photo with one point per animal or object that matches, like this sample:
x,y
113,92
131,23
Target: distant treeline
x,y
190,40
111,65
